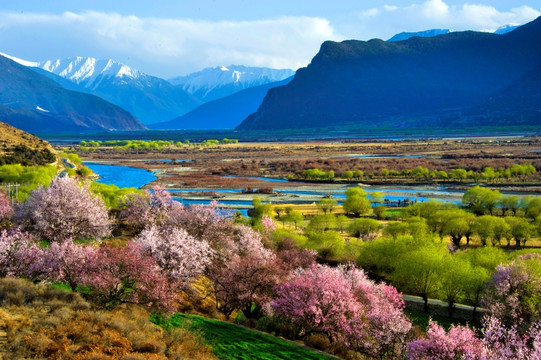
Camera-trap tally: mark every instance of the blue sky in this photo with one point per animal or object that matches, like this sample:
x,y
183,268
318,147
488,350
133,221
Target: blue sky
x,y
168,38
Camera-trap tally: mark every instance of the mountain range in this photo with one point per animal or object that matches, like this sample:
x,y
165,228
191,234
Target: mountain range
x,y
35,103
214,83
426,33
437,81
222,113
152,99
148,98
435,32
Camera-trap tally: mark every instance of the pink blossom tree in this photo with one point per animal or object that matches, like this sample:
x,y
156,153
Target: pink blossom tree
x,y
502,342
150,208
320,300
5,207
19,254
513,292
460,342
66,262
180,255
244,273
246,284
126,275
346,306
64,210
205,222
268,224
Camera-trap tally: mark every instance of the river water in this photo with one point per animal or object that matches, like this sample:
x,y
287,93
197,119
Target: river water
x,y
124,176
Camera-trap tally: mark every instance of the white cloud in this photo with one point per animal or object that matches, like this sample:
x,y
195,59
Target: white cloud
x,y
439,14
371,12
435,9
166,47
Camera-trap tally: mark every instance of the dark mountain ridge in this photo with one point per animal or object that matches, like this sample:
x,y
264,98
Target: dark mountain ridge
x,y
223,113
419,81
35,103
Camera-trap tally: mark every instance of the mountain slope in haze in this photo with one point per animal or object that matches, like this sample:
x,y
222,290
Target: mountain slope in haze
x,y
224,113
35,103
426,33
214,83
435,32
417,82
149,98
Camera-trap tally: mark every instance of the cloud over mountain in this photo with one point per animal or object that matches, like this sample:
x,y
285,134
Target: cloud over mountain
x,y
166,46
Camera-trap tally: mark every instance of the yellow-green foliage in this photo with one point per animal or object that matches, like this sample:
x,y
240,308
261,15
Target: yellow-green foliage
x,y
282,236
30,177
149,144
112,195
73,158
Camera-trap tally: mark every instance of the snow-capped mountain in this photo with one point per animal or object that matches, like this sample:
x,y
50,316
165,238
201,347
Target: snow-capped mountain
x,y
90,72
149,98
33,102
213,83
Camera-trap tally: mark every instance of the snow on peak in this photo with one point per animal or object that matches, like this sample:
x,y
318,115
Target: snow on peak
x,y
205,81
21,61
88,71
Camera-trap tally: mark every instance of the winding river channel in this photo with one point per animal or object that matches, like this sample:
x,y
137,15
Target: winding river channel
x,y
124,176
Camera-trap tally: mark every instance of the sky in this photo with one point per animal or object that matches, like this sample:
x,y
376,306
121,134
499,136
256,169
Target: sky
x,y
169,38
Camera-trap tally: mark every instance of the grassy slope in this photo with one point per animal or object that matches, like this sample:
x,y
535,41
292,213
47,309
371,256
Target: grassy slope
x,y
231,341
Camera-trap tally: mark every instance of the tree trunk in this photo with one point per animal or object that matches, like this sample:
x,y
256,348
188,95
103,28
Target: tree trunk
x,y
450,308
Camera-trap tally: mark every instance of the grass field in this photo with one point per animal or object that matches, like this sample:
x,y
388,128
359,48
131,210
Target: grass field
x,y
229,341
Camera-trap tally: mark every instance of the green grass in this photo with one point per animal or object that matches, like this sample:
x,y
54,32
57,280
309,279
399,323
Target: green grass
x,y
421,319
230,341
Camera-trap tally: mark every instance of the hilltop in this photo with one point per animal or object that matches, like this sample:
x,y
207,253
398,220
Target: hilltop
x,y
17,146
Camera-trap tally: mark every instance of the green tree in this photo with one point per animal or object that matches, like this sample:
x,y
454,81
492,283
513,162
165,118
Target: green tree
x,y
347,175
424,209
453,287
321,223
365,229
418,272
329,245
380,212
341,221
474,280
459,226
458,174
356,202
376,197
484,228
296,217
481,199
509,202
489,174
485,257
521,230
326,204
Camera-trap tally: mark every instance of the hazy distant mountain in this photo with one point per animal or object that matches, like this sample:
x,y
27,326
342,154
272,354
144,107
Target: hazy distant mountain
x,y
419,82
505,29
35,103
224,113
149,98
427,33
214,83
